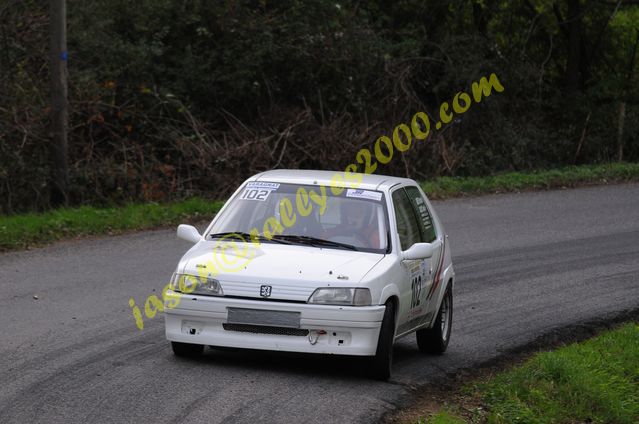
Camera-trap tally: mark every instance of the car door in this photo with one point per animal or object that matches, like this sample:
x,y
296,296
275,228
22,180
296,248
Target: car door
x,y
428,234
416,275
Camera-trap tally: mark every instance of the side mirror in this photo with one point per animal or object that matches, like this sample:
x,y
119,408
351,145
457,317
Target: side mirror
x,y
188,233
419,251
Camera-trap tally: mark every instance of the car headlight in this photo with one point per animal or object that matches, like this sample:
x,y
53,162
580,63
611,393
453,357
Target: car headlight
x,y
194,284
341,296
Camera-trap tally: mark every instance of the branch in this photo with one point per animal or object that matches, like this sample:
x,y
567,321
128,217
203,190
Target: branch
x,y
614,4
603,29
560,19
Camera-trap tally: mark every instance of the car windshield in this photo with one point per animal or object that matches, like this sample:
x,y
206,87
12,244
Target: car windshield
x,y
326,217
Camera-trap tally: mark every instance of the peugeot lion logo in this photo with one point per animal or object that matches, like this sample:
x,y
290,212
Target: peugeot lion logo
x,y
265,291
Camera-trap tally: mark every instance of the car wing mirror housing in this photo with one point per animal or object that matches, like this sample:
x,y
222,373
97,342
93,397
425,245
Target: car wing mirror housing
x,y
420,251
188,233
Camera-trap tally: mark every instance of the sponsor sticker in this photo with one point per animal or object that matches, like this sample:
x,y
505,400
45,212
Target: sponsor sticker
x,y
260,184
364,194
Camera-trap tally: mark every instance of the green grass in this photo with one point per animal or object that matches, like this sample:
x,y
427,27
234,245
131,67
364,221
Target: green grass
x,y
20,231
595,381
444,187
442,417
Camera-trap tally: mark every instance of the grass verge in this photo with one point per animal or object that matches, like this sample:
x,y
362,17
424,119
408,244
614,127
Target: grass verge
x,y
595,381
22,231
445,187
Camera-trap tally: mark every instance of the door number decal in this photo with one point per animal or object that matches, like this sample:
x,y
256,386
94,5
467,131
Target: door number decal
x,y
416,291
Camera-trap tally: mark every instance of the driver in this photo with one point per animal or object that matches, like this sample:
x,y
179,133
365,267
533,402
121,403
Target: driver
x,y
355,223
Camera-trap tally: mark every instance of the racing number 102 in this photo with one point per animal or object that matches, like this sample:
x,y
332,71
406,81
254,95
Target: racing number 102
x,y
254,194
416,291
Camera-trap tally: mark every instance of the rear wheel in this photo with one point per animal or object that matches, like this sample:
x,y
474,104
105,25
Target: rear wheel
x,y
435,340
380,366
186,349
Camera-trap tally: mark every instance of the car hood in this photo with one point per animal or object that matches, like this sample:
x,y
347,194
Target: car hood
x,y
293,271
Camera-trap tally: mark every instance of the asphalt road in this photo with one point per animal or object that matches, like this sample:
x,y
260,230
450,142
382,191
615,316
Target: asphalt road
x,y
526,264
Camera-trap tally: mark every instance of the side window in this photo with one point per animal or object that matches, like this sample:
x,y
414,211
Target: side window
x,y
407,225
423,216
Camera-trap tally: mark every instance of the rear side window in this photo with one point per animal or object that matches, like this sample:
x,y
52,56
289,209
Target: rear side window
x,y
423,215
407,225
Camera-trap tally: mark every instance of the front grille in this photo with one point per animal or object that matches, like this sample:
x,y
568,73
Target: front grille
x,y
263,329
265,299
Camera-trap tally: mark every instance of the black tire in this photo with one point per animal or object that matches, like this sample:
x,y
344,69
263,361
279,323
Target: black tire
x,y
187,350
381,363
435,340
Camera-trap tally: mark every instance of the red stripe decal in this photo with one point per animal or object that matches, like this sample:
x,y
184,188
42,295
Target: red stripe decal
x,y
438,273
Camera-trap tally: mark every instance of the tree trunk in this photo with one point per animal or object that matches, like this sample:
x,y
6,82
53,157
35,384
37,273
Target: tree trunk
x,y
573,62
479,17
59,103
622,118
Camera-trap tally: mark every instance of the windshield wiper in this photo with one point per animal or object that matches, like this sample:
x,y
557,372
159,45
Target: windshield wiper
x,y
313,241
239,235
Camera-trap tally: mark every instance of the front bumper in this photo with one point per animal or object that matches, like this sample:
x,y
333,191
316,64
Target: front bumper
x,y
349,330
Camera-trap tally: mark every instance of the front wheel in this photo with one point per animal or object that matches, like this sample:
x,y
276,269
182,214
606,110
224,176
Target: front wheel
x,y
186,349
435,340
380,366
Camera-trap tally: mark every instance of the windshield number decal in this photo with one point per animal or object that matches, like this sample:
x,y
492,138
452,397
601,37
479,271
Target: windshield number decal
x,y
255,194
258,190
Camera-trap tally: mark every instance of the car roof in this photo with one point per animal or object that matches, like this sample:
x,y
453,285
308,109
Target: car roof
x,y
310,177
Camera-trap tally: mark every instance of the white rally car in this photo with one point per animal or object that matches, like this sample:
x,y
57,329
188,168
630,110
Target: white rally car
x,y
306,261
